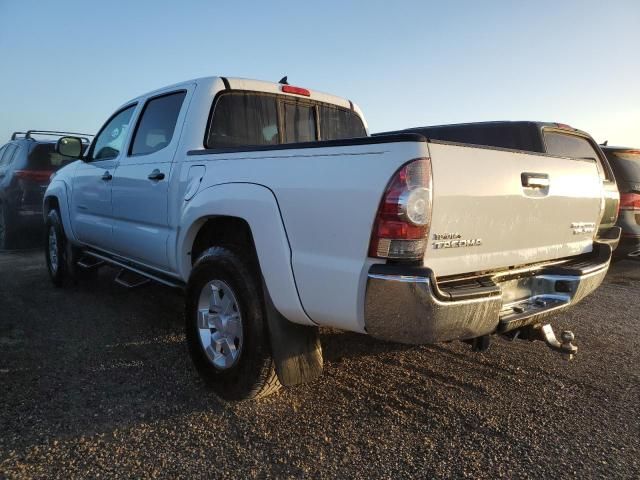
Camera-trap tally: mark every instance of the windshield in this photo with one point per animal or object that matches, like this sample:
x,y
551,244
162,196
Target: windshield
x,y
625,164
43,156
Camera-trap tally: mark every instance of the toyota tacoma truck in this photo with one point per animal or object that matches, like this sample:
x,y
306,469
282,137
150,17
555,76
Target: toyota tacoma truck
x,y
276,213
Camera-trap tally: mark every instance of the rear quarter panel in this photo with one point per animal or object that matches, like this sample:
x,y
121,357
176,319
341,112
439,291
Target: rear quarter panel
x,y
327,198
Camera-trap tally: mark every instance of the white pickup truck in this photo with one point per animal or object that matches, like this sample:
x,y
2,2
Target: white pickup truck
x,y
274,210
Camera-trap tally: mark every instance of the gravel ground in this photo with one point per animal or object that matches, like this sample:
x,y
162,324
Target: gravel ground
x,y
96,382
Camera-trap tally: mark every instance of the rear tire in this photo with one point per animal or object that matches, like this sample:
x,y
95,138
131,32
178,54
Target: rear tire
x,y
6,234
226,327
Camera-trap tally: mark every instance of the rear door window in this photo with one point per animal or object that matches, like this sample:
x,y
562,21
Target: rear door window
x,y
299,123
625,165
338,124
243,119
573,146
157,123
43,156
7,155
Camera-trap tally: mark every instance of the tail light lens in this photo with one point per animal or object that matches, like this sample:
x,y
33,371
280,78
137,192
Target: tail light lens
x,y
630,201
39,176
402,223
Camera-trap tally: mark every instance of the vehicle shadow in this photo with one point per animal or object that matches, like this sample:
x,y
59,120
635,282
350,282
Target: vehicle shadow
x,y
338,345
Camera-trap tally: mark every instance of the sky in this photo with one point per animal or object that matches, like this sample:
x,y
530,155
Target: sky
x,y
67,65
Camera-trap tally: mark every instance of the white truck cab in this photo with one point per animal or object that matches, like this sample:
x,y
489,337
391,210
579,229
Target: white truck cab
x,y
273,209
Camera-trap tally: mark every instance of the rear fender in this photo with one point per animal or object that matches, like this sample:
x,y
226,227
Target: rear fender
x,y
257,205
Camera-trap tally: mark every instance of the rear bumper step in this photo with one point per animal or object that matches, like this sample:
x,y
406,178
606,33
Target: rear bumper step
x,y
407,305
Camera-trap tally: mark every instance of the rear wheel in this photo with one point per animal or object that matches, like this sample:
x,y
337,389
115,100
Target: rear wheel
x,y
226,327
6,236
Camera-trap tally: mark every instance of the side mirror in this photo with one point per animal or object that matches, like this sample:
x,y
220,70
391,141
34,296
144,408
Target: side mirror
x,y
69,147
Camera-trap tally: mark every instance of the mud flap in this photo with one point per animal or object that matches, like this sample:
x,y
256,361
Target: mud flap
x,y
295,348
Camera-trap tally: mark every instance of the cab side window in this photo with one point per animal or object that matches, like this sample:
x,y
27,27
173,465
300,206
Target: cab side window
x,y
157,124
109,142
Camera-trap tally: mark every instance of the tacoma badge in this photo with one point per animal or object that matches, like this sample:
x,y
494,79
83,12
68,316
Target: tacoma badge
x,y
454,240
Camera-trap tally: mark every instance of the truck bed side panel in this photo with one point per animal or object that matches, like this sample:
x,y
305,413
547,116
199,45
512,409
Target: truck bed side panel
x,y
328,198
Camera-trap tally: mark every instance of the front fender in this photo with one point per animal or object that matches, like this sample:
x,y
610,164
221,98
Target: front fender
x,y
59,190
257,205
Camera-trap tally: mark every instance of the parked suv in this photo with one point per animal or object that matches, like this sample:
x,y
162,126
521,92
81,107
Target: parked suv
x,y
26,164
549,138
625,163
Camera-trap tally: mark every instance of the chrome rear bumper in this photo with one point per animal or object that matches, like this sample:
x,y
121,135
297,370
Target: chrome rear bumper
x,y
408,305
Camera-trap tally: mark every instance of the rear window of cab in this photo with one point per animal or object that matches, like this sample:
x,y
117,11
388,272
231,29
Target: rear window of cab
x,y
243,119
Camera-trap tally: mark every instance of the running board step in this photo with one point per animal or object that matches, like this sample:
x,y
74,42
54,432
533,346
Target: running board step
x,y
88,262
138,271
129,279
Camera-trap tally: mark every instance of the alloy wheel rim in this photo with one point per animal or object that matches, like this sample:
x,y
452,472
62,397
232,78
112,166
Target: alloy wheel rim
x,y
53,250
220,324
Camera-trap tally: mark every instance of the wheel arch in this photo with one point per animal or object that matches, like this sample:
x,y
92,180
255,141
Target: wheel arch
x,y
248,215
56,197
223,230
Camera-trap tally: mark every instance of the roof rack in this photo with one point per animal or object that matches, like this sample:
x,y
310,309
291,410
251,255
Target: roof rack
x,y
28,134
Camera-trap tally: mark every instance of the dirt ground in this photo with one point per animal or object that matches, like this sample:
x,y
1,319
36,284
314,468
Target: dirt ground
x,y
95,381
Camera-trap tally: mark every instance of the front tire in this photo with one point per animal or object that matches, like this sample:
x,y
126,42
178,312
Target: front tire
x,y
226,327
58,254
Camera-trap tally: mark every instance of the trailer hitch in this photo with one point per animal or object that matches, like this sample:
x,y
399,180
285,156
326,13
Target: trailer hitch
x,y
567,349
545,333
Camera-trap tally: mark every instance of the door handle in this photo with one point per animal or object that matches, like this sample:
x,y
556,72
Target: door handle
x,y
106,176
535,180
156,175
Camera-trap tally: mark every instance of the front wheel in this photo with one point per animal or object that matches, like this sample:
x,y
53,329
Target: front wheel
x,y
57,255
226,327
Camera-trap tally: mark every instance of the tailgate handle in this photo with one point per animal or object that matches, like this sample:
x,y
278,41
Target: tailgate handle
x,y
535,180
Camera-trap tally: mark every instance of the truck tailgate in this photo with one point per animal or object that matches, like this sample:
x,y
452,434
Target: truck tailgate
x,y
494,209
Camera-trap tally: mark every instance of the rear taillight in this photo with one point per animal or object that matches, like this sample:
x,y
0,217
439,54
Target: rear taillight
x,y
40,176
630,201
402,223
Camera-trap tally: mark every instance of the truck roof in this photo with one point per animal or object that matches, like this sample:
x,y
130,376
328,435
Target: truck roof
x,y
238,83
